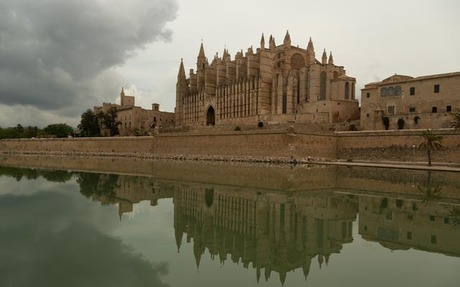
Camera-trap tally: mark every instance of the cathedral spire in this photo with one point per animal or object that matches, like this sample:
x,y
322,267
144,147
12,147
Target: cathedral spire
x,y
201,60
324,58
181,69
287,39
262,42
201,53
331,59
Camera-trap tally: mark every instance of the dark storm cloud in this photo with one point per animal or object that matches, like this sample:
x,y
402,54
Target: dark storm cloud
x,y
51,239
51,51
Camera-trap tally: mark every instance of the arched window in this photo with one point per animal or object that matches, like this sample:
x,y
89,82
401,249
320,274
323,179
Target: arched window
x,y
322,92
347,91
297,61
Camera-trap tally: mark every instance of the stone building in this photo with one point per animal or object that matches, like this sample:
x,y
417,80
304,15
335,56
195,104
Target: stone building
x,y
277,84
136,120
404,102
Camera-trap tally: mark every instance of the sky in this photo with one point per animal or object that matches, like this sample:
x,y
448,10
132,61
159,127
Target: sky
x,y
60,58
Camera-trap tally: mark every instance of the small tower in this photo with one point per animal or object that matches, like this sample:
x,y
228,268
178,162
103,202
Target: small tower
x,y
331,59
272,43
324,58
287,40
262,42
310,52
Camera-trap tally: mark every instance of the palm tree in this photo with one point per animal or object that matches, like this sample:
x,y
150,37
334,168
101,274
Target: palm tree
x,y
456,121
430,142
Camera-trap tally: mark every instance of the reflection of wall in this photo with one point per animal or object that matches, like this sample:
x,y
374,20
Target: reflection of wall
x,y
407,223
274,231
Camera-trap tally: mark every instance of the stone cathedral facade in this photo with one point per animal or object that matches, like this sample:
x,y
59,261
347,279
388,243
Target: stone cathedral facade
x,y
272,84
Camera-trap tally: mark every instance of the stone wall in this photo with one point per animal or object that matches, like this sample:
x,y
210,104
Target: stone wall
x,y
252,145
396,145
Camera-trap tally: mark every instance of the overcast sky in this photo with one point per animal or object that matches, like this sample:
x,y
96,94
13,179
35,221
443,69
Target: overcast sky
x,y
59,58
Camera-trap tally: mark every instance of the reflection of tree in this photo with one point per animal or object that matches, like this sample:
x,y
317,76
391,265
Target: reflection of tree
x,y
29,173
430,191
56,175
97,184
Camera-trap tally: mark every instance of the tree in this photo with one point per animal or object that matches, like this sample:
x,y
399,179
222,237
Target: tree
x,y
110,121
59,130
431,141
89,124
456,121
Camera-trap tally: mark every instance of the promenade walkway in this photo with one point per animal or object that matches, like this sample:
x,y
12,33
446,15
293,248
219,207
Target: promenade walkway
x,y
436,166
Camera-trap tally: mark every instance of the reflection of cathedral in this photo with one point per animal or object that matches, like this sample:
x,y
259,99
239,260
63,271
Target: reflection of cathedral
x,y
282,231
272,231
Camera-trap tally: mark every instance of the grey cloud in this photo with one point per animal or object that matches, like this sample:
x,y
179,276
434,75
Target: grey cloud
x,y
53,51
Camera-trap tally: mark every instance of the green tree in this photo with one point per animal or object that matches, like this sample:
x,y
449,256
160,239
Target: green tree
x,y
59,130
431,141
89,124
456,121
110,121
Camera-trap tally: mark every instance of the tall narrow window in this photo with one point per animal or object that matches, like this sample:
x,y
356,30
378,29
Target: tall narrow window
x,y
412,91
284,104
322,92
436,88
434,109
347,91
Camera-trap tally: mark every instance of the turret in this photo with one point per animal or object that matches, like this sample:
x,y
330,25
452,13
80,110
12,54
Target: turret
x,y
310,52
272,43
262,42
324,58
331,59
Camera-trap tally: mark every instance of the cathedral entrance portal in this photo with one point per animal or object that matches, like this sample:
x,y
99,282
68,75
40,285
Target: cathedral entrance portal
x,y
210,117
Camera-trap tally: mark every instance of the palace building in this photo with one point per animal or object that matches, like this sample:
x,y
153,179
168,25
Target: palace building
x,y
405,102
273,84
135,120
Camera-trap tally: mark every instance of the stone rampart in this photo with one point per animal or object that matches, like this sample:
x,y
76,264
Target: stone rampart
x,y
396,145
251,145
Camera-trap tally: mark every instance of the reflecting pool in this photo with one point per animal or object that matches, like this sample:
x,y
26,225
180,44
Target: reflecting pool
x,y
204,224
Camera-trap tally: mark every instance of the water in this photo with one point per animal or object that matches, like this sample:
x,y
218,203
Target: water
x,y
199,224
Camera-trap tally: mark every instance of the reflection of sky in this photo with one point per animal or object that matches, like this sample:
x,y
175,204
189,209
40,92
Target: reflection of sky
x,y
56,237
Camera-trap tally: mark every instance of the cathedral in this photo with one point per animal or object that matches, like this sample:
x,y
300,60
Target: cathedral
x,y
272,84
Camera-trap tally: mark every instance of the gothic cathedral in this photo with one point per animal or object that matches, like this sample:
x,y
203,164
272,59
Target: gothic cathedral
x,y
274,84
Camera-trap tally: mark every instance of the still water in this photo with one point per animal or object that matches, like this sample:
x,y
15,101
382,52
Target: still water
x,y
275,226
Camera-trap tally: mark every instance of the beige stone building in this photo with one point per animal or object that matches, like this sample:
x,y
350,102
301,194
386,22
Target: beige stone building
x,y
136,120
404,102
274,84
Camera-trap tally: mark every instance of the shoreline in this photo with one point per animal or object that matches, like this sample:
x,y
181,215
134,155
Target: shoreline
x,y
291,161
